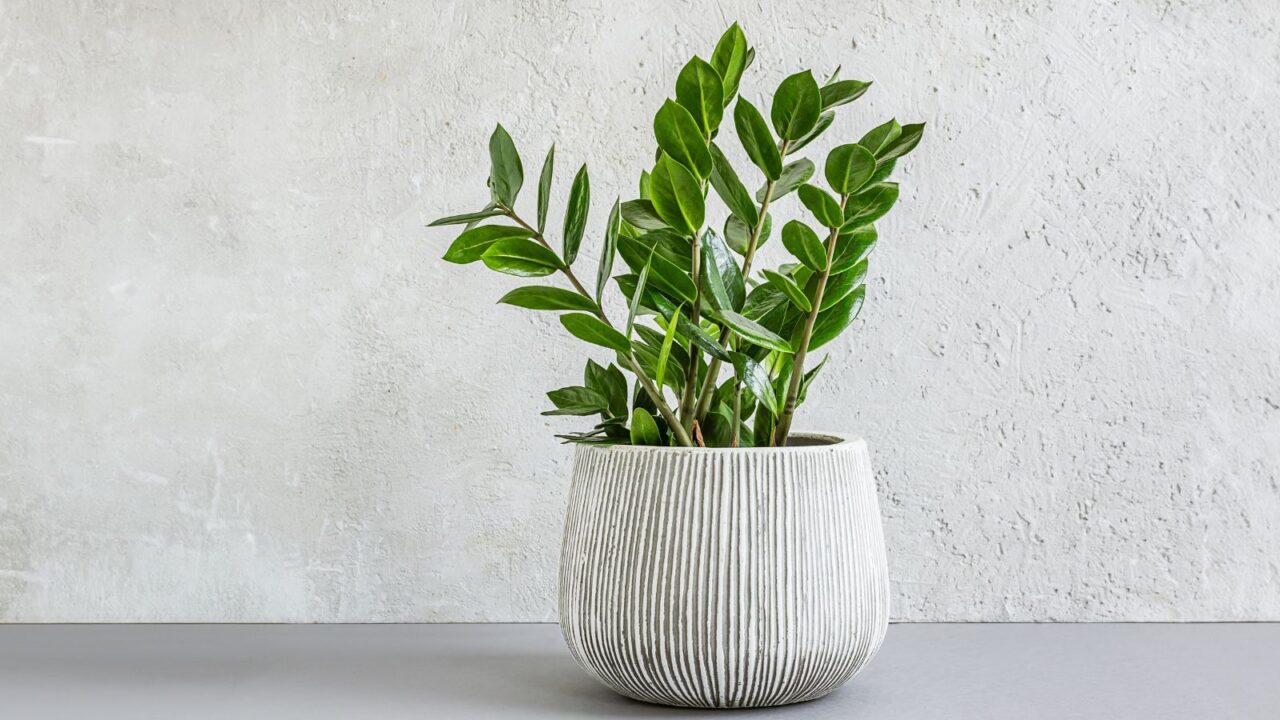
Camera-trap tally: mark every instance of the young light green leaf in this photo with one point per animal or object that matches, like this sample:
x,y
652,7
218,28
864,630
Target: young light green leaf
x,y
576,400
803,243
700,90
824,122
756,139
680,137
793,176
852,247
822,205
640,213
664,354
471,244
544,187
724,278
796,106
870,205
905,143
753,332
636,296
835,94
466,218
849,167
609,250
881,137
677,197
506,174
833,321
520,257
548,298
592,329
756,378
644,431
790,289
730,59
575,215
735,195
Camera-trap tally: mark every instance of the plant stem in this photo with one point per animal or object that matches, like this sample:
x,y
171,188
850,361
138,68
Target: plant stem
x,y
783,428
654,392
695,316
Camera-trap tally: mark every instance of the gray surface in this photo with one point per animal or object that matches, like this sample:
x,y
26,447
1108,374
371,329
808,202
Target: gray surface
x,y
382,672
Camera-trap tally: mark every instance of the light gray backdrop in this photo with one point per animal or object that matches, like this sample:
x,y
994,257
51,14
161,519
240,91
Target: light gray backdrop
x,y
237,382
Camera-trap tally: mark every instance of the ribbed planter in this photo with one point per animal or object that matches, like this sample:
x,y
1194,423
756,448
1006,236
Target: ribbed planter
x,y
724,578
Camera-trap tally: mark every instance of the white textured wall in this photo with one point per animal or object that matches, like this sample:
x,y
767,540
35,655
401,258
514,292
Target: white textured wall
x,y
237,383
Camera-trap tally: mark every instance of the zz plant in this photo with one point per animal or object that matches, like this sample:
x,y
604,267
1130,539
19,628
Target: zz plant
x,y
718,355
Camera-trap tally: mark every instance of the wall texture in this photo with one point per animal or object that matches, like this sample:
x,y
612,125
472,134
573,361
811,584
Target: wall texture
x,y
237,383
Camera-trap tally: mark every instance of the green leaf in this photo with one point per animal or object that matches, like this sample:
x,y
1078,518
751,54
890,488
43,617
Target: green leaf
x,y
793,176
544,187
610,249
521,257
677,197
592,329
724,278
753,332
470,245
796,106
822,205
808,378
756,139
638,294
577,400
762,300
835,94
730,60
641,214
839,286
905,143
870,205
610,383
664,355
849,167
755,377
824,122
644,431
506,175
881,137
852,247
803,243
701,91
790,289
680,138
575,216
735,195
882,173
466,218
833,321
646,251
738,235
691,330
548,298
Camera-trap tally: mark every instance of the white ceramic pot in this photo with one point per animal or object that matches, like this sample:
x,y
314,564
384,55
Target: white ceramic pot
x,y
724,577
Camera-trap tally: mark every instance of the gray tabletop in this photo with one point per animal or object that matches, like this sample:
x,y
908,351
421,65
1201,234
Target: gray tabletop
x,y
524,671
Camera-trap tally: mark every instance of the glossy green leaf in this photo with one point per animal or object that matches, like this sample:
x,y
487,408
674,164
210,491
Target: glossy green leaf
x,y
840,285
611,383
610,249
680,137
756,139
796,106
506,174
852,247
756,378
735,195
824,207
664,354
665,273
824,122
592,329
808,378
833,321
544,187
793,176
677,197
790,289
575,216
547,298
723,276
753,332
835,94
882,173
849,167
466,218
641,214
870,205
701,91
881,137
577,400
738,236
638,294
691,330
471,244
644,431
906,141
763,299
804,244
730,60
521,257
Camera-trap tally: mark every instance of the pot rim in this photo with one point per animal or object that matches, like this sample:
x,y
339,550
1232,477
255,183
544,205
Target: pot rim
x,y
839,441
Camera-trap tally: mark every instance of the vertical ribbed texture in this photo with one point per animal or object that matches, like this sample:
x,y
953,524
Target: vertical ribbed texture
x,y
723,578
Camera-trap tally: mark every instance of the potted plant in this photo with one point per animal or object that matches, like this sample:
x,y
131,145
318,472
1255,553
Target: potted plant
x,y
712,556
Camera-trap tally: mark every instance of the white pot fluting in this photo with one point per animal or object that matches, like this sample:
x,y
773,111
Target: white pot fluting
x,y
724,578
